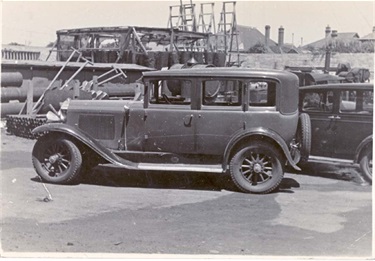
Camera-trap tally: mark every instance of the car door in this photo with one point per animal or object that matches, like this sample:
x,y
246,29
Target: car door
x,y
353,123
319,105
220,116
168,119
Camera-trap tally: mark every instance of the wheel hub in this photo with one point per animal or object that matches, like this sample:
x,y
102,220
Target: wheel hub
x,y
54,158
257,168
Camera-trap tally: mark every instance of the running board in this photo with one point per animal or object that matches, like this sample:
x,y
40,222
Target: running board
x,y
181,167
319,159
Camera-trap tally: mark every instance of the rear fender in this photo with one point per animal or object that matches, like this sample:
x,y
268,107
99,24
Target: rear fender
x,y
259,132
87,140
367,141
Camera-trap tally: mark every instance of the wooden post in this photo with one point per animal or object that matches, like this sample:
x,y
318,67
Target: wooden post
x,y
95,83
29,100
75,90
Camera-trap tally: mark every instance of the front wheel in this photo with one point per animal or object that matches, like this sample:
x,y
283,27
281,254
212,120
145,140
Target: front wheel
x,y
57,160
365,164
257,168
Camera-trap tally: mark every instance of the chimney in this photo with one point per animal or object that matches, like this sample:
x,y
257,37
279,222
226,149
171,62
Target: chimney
x,y
328,30
281,36
334,33
266,42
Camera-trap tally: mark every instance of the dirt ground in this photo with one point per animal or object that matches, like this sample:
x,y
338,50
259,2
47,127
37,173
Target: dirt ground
x,y
324,211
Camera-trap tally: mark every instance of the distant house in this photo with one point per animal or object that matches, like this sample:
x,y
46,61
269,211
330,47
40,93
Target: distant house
x,y
369,37
248,37
345,38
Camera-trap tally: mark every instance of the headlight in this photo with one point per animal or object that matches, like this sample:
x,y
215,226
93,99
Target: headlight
x,y
65,105
64,109
60,116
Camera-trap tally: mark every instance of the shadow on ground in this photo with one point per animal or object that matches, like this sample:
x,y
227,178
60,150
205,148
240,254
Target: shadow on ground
x,y
107,175
337,171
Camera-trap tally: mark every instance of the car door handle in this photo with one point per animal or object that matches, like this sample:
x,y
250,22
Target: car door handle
x,y
333,117
188,119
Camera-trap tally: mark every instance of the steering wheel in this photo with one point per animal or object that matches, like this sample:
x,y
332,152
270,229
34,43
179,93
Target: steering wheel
x,y
165,97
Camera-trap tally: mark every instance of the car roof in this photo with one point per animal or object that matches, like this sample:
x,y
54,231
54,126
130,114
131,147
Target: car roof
x,y
222,72
339,86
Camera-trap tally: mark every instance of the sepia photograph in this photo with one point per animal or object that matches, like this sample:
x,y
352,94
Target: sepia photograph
x,y
187,129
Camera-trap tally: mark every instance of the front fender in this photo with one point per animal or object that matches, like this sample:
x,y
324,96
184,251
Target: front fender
x,y
260,131
87,140
362,145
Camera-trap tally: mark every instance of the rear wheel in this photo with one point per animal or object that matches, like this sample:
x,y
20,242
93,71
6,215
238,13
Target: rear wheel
x,y
57,160
257,168
365,164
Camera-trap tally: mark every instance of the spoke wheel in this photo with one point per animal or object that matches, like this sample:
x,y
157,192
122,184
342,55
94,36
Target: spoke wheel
x,y
56,160
365,164
256,168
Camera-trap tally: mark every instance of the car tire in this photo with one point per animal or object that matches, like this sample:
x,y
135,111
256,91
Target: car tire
x,y
57,160
257,168
303,137
365,164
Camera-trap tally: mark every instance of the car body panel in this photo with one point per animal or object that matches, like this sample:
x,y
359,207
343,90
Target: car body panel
x,y
191,127
342,120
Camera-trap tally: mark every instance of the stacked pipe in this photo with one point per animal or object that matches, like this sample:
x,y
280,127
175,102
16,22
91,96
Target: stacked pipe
x,y
11,81
21,125
14,92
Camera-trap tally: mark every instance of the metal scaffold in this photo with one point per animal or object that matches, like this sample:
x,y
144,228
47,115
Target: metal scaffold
x,y
227,32
224,40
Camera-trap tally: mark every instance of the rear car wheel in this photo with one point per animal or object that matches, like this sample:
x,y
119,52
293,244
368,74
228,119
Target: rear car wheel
x,y
256,168
57,160
365,164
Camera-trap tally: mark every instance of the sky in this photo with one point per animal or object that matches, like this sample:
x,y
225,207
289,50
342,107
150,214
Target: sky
x,y
35,23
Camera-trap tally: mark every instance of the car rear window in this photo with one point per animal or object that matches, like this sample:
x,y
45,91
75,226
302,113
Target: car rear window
x,y
262,93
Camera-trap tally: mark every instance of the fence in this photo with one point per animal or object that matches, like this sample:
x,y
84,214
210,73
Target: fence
x,y
19,55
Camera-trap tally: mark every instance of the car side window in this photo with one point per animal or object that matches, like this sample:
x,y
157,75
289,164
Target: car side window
x,y
360,102
176,92
318,101
262,93
222,92
368,101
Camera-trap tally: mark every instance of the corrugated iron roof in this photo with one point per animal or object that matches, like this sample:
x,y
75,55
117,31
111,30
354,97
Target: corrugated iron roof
x,y
340,36
368,37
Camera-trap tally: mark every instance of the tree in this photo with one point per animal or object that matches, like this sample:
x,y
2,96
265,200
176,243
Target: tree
x,y
15,44
258,48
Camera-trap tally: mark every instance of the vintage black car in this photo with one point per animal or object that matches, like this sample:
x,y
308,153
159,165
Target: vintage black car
x,y
341,122
197,119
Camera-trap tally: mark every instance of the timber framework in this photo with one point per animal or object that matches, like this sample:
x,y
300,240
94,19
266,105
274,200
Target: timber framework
x,y
146,46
